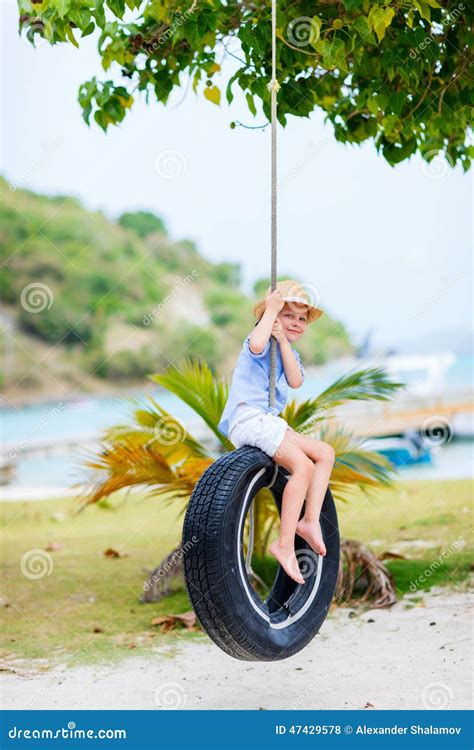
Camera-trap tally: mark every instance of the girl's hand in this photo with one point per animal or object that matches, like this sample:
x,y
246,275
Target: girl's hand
x,y
275,301
277,331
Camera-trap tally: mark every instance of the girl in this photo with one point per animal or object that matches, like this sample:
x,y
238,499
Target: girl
x,y
248,419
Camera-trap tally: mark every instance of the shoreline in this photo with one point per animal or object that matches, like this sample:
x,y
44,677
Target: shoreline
x,y
43,493
106,389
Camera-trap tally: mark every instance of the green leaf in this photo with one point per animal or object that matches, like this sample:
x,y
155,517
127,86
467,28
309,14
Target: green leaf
x,y
251,103
423,9
361,25
70,35
315,31
334,54
380,19
101,119
62,6
213,94
80,17
196,79
89,29
117,7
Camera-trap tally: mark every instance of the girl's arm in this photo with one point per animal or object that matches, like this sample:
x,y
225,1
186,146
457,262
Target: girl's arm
x,y
262,331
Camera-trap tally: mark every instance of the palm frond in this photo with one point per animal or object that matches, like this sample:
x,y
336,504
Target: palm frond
x,y
193,381
128,464
355,467
156,425
359,385
372,383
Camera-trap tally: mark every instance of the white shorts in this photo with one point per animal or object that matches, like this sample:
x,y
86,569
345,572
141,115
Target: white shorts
x,y
252,426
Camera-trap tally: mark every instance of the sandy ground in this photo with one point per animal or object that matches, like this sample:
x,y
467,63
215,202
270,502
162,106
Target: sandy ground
x,y
415,658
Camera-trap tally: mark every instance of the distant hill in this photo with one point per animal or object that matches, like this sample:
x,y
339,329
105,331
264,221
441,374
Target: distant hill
x,y
89,303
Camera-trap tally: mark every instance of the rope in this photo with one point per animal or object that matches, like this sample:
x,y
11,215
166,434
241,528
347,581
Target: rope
x,y
273,87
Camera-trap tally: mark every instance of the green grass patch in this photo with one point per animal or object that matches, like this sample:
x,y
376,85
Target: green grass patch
x,y
88,609
431,570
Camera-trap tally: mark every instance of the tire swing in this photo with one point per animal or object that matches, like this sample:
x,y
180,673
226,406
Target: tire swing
x,y
219,528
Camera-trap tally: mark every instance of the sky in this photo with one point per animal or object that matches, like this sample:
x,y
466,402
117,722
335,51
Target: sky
x,y
386,248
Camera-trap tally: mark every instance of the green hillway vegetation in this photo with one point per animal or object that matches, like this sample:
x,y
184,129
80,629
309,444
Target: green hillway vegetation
x,y
88,608
119,299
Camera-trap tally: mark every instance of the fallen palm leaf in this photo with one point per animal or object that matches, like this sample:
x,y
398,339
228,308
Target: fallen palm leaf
x,y
53,546
387,555
114,553
361,570
170,622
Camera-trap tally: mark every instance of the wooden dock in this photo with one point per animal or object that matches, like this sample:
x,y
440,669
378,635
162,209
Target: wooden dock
x,y
384,419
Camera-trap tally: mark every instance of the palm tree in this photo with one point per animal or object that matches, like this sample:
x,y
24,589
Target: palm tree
x,y
157,452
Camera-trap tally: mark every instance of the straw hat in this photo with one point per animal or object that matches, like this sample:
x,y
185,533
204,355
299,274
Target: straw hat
x,y
293,291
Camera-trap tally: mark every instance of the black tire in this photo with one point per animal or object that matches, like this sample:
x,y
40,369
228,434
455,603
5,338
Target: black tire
x,y
228,608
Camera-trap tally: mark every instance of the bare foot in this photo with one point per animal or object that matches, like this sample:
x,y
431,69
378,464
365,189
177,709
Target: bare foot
x,y
311,532
287,559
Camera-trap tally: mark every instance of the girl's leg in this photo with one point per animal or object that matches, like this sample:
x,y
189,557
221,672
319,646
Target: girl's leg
x,y
301,467
323,456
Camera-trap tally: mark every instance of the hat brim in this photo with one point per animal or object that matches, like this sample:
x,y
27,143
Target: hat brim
x,y
313,312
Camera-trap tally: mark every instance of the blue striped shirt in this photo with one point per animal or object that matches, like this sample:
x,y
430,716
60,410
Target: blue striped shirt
x,y
251,383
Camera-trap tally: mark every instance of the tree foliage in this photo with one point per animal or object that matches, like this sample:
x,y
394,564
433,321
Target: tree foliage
x,y
143,223
393,71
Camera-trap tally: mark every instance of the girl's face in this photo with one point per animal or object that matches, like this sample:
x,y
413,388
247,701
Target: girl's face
x,y
294,319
